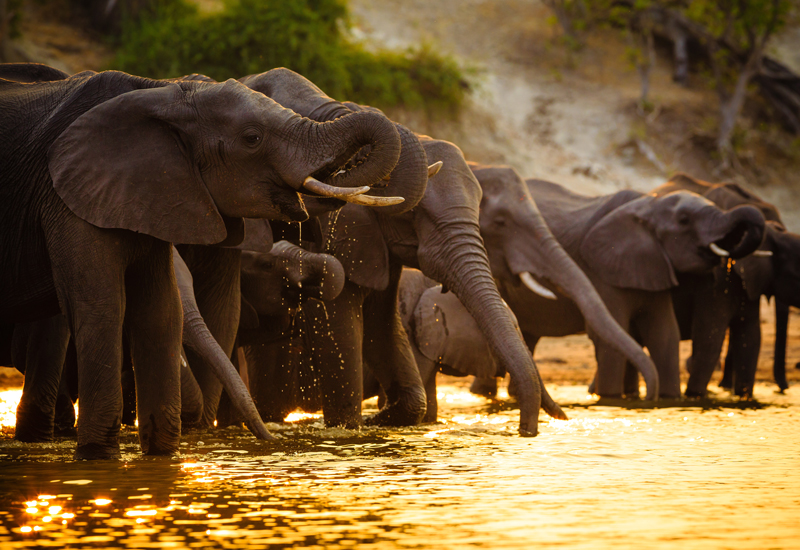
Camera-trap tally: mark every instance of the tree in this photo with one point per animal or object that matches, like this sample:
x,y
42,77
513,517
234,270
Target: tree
x,y
735,34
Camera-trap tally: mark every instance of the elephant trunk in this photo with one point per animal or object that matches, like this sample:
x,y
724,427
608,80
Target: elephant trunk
x,y
461,265
334,143
561,270
323,270
197,337
743,232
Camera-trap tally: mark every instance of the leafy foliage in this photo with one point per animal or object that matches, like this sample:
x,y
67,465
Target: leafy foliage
x,y
307,36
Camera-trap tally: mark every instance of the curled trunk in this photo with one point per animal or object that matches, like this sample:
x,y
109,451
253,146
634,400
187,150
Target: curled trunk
x,y
743,231
409,177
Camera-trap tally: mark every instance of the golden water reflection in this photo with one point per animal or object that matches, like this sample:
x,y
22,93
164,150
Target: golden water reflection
x,y
608,477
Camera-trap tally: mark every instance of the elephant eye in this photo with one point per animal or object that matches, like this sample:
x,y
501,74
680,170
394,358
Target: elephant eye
x,y
683,220
252,138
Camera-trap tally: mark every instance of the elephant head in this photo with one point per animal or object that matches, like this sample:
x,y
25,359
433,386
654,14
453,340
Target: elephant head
x,y
643,242
522,249
186,161
409,177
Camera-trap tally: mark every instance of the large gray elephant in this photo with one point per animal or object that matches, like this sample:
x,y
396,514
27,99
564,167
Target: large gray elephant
x,y
100,172
729,298
631,246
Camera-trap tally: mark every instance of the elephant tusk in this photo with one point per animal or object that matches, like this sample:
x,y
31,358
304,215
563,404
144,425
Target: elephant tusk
x,y
372,200
763,253
536,287
718,251
434,168
316,186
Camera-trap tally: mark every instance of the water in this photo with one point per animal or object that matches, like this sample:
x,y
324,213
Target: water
x,y
723,477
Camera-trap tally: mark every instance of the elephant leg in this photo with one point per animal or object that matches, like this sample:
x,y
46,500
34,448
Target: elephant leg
x,y
216,276
40,348
272,378
486,387
709,324
128,386
432,401
427,369
64,422
388,350
609,379
154,323
336,332
191,396
660,333
781,328
744,344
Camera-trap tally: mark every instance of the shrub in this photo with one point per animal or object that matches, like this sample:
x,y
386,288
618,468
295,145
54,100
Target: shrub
x,y
307,36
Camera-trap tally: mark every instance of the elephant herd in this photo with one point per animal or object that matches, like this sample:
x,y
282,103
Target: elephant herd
x,y
186,253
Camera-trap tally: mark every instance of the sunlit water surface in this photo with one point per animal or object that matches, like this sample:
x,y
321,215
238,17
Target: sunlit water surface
x,y
724,477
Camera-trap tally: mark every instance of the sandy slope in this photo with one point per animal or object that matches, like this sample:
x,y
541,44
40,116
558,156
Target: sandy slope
x,y
569,118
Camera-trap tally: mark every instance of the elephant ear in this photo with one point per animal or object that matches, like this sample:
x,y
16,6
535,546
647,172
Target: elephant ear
x,y
623,251
257,236
355,238
445,332
126,164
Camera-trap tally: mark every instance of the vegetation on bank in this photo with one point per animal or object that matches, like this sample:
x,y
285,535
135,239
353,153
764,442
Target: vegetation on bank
x,y
728,39
311,37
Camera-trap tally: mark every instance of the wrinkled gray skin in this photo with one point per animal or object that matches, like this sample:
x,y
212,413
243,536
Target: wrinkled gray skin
x,y
80,196
631,246
729,299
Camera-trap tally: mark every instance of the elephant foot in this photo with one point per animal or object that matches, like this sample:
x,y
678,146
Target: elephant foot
x,y
33,426
525,432
486,387
94,451
407,410
694,394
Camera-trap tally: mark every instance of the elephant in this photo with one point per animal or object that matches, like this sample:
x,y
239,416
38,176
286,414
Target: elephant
x,y
100,172
631,246
729,298
444,337
272,329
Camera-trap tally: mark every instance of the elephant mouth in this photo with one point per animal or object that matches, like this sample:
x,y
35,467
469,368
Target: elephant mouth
x,y
729,243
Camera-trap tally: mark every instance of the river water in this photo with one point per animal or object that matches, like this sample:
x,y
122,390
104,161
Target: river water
x,y
724,476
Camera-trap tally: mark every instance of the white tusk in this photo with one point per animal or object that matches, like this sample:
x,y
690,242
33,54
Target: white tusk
x,y
434,168
718,251
763,253
316,186
372,200
536,287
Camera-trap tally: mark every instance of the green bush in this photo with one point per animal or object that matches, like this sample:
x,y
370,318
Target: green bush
x,y
307,36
